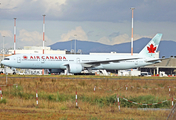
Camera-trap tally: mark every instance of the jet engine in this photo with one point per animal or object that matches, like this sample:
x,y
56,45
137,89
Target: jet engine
x,y
56,71
75,68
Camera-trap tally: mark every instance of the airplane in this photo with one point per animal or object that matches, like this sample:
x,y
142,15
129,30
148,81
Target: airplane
x,y
78,62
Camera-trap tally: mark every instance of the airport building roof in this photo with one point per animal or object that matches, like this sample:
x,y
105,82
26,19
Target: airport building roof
x,y
36,50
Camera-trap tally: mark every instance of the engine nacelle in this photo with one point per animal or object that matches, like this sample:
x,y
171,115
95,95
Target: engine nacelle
x,y
56,70
75,68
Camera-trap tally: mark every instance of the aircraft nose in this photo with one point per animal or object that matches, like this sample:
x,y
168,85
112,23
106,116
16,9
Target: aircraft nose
x,y
3,62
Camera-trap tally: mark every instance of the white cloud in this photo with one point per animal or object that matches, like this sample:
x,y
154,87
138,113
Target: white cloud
x,y
78,33
53,3
53,6
11,4
104,40
34,0
119,39
32,38
6,33
7,40
125,38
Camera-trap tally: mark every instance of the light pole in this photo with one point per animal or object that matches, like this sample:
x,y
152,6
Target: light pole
x,y
3,47
75,43
132,32
43,31
71,46
43,71
14,35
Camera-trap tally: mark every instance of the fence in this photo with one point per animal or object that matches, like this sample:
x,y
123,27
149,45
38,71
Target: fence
x,y
172,115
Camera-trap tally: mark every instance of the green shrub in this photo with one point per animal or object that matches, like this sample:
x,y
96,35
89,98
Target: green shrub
x,y
50,97
3,101
63,118
63,108
17,90
93,118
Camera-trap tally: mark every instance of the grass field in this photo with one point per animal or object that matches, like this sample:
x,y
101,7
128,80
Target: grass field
x,y
56,97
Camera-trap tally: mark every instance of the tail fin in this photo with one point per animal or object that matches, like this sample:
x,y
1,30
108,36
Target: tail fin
x,y
150,49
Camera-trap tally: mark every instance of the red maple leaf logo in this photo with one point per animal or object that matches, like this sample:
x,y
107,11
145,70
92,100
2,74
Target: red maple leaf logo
x,y
25,57
151,49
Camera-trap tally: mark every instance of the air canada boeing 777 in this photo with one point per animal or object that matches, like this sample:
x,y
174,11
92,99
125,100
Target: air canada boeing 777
x,y
77,63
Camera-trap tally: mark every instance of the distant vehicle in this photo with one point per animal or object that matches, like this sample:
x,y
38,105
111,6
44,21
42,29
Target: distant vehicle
x,y
77,63
36,72
21,73
1,70
123,73
146,74
7,70
163,74
135,73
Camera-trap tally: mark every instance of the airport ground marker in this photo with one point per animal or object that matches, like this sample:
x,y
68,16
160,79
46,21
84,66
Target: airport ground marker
x,y
36,98
118,102
1,93
76,100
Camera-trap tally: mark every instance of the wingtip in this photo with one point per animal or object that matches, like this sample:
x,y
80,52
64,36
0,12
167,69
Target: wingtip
x,y
159,34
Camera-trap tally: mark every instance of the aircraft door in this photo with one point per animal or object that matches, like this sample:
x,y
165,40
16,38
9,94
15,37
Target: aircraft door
x,y
136,62
18,60
78,60
42,60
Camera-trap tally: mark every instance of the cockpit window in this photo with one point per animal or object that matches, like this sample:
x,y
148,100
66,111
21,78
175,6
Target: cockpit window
x,y
6,58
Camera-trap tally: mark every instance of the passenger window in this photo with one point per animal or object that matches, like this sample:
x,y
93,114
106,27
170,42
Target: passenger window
x,y
6,59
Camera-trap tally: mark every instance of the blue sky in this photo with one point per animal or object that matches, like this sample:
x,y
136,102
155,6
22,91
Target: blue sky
x,y
104,21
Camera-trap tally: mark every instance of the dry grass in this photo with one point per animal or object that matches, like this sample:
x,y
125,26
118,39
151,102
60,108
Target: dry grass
x,y
24,106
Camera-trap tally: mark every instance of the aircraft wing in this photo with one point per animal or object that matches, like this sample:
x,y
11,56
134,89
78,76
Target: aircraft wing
x,y
97,63
155,60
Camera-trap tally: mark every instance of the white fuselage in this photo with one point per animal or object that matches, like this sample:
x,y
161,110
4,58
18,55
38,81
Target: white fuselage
x,y
56,61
